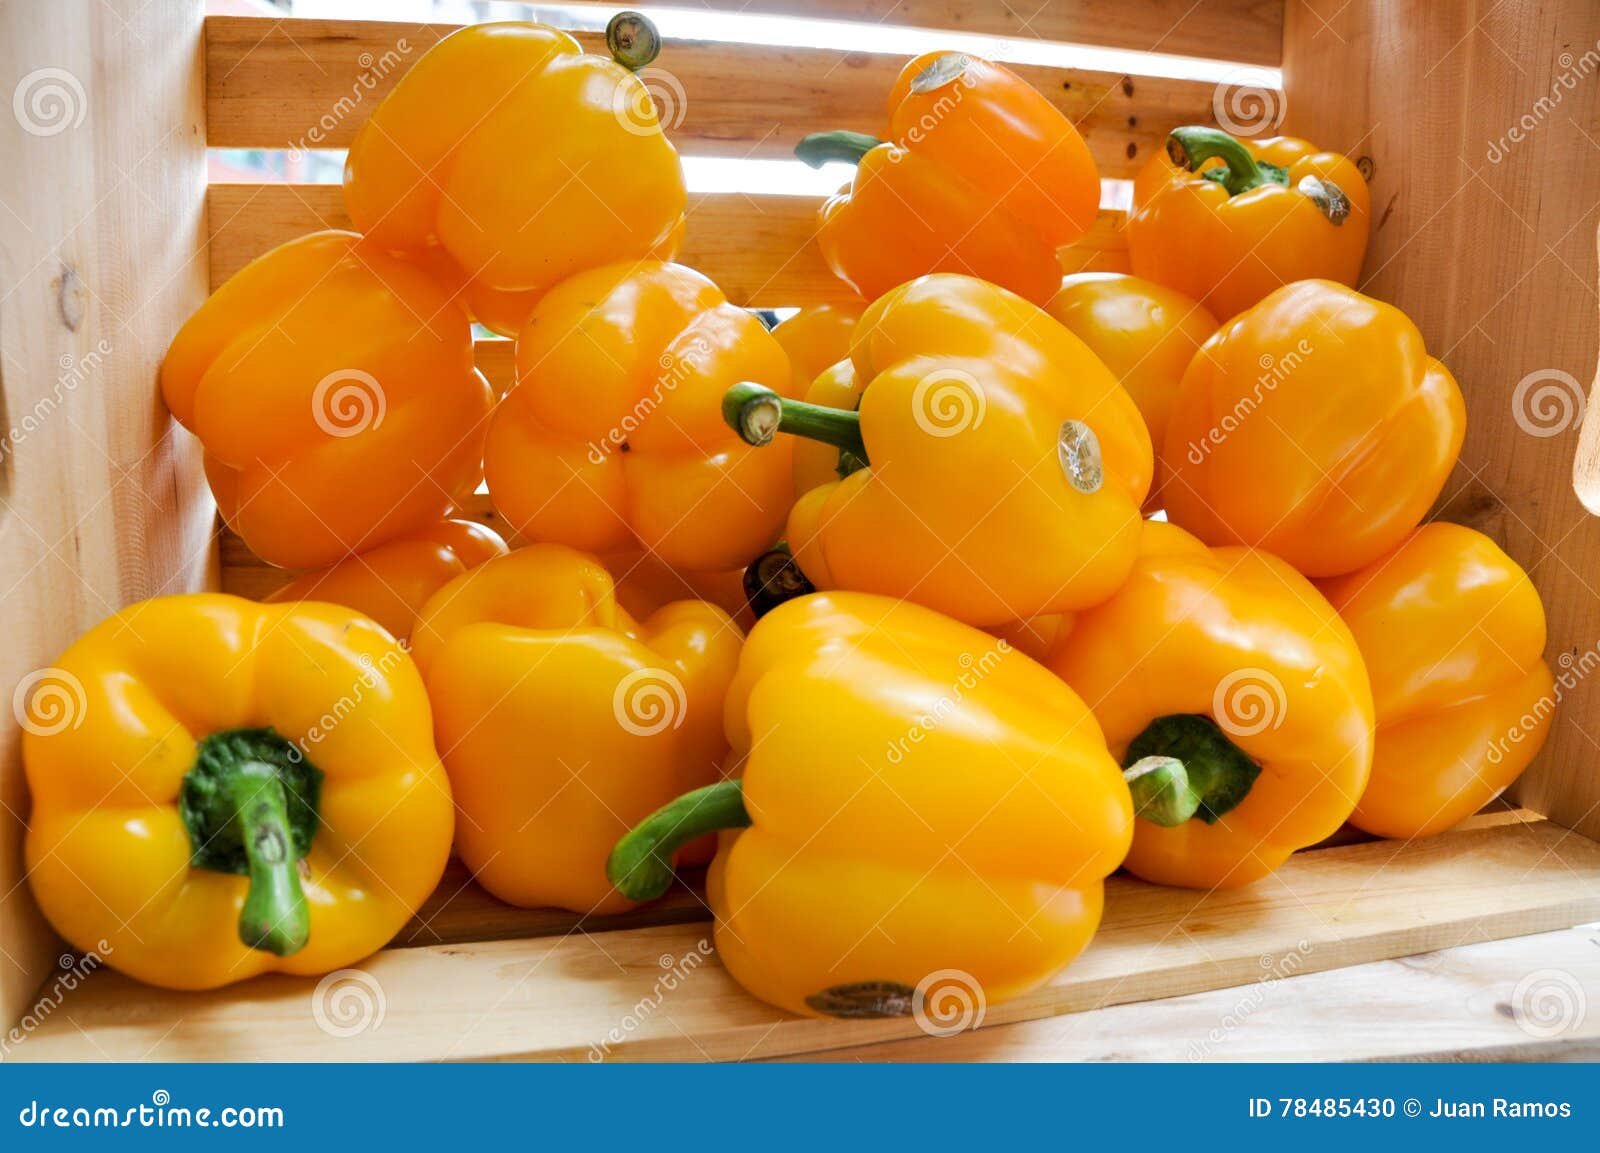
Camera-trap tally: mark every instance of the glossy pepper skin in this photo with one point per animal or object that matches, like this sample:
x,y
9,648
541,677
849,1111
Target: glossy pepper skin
x,y
915,793
1006,464
1231,662
1453,635
1314,425
392,582
612,438
562,720
185,743
983,176
1144,332
815,462
1282,211
468,167
817,338
333,389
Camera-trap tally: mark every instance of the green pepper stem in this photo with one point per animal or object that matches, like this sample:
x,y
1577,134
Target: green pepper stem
x,y
275,916
1191,146
640,866
821,147
632,40
758,414
1161,791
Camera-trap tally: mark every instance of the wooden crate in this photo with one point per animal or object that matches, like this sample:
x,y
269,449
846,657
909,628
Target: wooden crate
x,y
111,237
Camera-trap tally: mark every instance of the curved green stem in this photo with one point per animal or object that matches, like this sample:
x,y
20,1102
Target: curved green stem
x,y
632,40
821,147
1184,766
250,806
758,414
640,866
1191,146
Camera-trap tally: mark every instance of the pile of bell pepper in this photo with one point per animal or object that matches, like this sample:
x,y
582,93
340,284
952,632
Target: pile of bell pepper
x,y
915,617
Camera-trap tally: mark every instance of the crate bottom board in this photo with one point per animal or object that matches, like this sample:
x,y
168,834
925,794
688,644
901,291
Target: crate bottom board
x,y
562,998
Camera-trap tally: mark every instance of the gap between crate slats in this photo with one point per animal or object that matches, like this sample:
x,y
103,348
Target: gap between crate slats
x,y
311,84
557,998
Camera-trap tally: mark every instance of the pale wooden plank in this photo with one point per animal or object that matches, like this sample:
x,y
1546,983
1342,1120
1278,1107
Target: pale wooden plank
x,y
758,248
1250,31
102,501
557,998
1456,1004
269,83
1488,244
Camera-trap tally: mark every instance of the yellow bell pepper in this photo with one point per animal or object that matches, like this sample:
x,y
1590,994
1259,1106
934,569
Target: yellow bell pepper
x,y
644,584
222,789
1237,702
817,462
1144,332
1002,465
611,439
915,799
1228,221
333,389
1314,425
562,720
506,160
816,338
1452,631
392,582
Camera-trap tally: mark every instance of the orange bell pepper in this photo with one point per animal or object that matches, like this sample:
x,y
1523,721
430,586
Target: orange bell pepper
x,y
817,338
391,583
333,389
612,439
443,171
1453,634
562,720
1237,702
1314,425
1145,333
1273,211
816,462
984,176
644,584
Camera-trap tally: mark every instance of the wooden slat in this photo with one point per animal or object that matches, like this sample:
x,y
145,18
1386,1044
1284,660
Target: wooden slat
x,y
1488,243
1249,31
270,82
555,999
759,249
